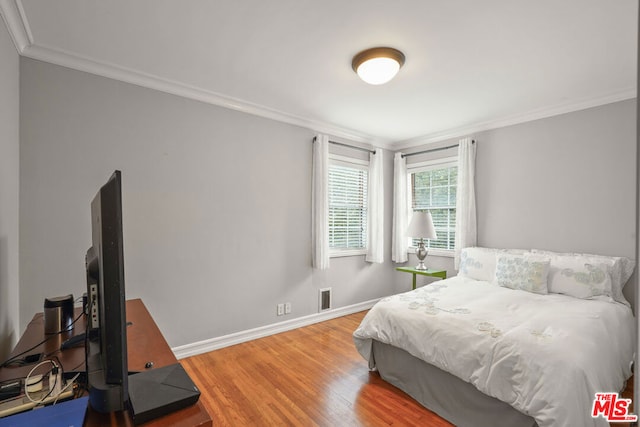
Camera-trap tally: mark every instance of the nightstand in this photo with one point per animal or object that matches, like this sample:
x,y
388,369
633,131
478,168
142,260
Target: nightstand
x,y
428,272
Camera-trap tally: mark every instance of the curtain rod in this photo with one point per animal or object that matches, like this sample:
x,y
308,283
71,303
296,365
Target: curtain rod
x,y
349,146
434,149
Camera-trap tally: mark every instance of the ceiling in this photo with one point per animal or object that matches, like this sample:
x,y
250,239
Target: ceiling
x,y
470,65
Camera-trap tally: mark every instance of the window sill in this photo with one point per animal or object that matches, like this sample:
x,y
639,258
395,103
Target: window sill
x,y
436,252
345,253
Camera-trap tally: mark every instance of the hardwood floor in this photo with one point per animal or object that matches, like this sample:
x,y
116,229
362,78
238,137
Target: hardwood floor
x,y
312,376
305,377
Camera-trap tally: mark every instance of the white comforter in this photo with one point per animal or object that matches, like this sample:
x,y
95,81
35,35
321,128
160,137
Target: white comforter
x,y
545,355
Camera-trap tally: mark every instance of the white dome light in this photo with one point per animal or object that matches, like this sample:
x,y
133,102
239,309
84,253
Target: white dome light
x,y
378,65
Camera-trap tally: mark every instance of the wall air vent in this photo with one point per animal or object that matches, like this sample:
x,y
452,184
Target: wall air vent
x,y
324,302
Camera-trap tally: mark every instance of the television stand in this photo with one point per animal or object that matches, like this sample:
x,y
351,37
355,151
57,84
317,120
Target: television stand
x,y
144,343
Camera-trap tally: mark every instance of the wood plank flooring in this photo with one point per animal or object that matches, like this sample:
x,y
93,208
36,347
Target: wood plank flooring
x,y
305,377
312,376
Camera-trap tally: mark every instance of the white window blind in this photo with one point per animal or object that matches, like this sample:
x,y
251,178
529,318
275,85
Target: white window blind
x,y
347,207
433,187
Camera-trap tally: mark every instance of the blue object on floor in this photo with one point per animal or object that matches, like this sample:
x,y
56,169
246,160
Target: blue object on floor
x,y
64,414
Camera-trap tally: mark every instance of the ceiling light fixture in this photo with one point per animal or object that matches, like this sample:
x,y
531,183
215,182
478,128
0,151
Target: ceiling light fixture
x,y
377,65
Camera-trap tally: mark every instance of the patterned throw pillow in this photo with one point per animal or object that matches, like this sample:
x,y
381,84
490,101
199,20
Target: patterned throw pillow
x,y
619,269
524,272
478,263
580,280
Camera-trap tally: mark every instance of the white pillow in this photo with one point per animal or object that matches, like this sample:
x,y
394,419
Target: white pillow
x,y
575,277
618,268
524,272
478,263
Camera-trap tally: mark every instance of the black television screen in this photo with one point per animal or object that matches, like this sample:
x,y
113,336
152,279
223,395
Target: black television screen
x,y
106,354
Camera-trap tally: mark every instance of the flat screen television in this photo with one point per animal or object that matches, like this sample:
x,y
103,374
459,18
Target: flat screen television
x,y
106,348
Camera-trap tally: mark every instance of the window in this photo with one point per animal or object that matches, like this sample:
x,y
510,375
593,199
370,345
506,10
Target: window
x,y
433,186
347,206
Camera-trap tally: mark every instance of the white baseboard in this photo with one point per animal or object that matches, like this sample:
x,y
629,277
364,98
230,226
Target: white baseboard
x,y
211,344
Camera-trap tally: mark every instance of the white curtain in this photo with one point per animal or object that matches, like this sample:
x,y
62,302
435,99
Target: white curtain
x,y
466,226
375,209
400,243
320,203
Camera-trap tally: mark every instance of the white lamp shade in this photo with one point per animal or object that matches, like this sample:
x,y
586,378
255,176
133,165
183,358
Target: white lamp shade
x,y
421,226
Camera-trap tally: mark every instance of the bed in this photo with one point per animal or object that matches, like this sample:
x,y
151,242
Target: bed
x,y
518,338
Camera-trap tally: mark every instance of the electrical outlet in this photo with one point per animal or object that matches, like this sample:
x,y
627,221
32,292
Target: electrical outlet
x,y
287,308
280,309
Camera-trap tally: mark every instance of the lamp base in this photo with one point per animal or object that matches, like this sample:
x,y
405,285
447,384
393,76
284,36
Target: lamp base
x,y
421,254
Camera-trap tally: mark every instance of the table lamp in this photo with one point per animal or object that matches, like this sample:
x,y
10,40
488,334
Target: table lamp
x,y
421,226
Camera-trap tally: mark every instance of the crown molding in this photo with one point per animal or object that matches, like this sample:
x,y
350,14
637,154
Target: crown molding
x,y
14,18
515,119
127,75
112,71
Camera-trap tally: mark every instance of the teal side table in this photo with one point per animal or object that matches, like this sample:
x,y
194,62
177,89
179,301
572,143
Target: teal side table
x,y
442,274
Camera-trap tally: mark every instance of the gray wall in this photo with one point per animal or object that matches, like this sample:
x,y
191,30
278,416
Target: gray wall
x,y
565,183
217,205
9,182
